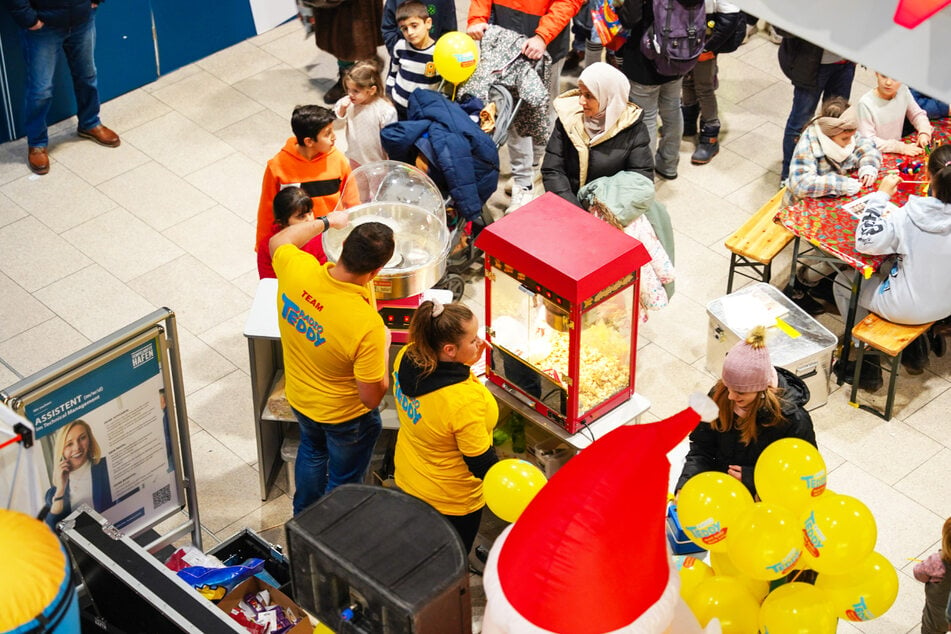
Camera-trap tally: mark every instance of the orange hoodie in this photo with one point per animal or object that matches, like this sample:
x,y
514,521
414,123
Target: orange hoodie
x,y
322,177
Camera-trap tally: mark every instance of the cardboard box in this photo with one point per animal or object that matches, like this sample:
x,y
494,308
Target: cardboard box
x,y
233,598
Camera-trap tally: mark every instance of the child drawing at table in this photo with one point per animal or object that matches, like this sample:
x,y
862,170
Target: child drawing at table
x,y
828,152
882,112
935,573
914,286
366,111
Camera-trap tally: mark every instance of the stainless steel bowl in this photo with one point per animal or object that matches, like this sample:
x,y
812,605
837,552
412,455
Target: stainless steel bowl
x,y
422,244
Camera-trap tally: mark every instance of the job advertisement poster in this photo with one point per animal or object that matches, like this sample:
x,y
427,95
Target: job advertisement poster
x,y
107,442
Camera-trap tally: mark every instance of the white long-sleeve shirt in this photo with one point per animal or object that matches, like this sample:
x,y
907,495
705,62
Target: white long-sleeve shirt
x,y
364,123
883,119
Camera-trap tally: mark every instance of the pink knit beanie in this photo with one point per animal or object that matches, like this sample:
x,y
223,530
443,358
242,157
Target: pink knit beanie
x,y
748,368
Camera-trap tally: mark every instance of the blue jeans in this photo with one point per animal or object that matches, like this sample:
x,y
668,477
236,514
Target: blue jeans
x,y
332,454
41,48
662,100
834,80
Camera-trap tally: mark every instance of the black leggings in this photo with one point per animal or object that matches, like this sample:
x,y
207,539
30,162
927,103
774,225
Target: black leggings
x,y
467,526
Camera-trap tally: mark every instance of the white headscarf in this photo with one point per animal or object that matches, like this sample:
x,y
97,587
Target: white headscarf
x,y
611,88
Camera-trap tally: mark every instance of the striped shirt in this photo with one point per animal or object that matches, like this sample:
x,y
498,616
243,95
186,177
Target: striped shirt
x,y
410,69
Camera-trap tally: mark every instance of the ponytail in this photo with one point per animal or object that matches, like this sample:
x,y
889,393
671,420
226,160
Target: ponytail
x,y
433,326
939,167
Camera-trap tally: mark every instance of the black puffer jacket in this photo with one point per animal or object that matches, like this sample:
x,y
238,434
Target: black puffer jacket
x,y
711,450
570,162
58,13
800,61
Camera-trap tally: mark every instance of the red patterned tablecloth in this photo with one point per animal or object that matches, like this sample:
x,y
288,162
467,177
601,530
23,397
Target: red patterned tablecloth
x,y
823,223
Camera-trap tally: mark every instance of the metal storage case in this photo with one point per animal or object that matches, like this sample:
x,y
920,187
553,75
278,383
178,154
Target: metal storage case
x,y
373,560
796,341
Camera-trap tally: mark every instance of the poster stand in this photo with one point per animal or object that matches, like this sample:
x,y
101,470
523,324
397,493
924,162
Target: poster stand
x,y
104,430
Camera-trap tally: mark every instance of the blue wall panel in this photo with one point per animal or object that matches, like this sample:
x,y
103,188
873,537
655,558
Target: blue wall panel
x,y
188,30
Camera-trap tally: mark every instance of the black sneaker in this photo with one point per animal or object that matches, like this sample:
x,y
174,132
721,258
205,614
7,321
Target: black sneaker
x,y
870,379
805,301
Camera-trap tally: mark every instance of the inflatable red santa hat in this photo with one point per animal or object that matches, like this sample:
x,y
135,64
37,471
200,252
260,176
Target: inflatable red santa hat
x,y
589,554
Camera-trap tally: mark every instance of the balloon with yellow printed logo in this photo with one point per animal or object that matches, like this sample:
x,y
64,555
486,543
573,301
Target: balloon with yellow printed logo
x,y
509,485
865,592
723,567
708,506
766,543
692,573
795,608
839,532
790,472
726,599
455,56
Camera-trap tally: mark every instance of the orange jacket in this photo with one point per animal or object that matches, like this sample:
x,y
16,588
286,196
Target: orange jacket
x,y
322,177
554,14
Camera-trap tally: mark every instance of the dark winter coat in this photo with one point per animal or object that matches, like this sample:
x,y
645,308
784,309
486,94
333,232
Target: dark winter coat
x,y
711,450
570,162
57,13
464,157
350,31
799,61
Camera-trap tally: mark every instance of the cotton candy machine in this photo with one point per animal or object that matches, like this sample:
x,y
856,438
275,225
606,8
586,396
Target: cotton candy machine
x,y
406,200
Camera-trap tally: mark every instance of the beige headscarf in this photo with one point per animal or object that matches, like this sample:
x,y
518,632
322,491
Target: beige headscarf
x,y
831,126
611,88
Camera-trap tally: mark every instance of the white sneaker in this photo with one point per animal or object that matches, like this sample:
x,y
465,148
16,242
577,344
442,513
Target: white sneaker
x,y
520,196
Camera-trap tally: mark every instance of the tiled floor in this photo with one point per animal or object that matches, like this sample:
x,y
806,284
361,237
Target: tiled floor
x,y
167,219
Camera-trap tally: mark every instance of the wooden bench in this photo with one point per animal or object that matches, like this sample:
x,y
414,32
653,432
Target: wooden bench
x,y
888,339
757,242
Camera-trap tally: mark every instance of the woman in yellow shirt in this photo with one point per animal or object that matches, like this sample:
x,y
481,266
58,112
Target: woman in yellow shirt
x,y
447,415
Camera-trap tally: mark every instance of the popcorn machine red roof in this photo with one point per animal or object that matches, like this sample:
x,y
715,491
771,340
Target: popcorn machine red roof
x,y
561,299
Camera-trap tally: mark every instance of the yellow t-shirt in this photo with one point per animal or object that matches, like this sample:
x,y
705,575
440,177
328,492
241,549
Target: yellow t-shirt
x,y
331,335
436,430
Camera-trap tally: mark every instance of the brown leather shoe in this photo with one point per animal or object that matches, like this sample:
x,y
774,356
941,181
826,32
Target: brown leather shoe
x,y
39,160
101,135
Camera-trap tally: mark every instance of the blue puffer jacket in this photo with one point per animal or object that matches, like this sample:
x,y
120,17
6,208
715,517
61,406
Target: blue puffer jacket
x,y
461,156
57,13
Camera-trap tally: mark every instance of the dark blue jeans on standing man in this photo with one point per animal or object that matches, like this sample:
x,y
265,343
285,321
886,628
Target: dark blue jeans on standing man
x,y
331,454
41,48
834,80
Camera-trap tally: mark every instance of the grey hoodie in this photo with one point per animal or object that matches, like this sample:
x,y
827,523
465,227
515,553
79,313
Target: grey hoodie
x,y
915,286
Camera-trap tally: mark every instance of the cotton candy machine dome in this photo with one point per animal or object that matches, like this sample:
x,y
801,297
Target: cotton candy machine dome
x,y
406,200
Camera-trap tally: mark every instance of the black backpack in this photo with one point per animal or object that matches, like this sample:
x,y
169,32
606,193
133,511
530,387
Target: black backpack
x,y
676,37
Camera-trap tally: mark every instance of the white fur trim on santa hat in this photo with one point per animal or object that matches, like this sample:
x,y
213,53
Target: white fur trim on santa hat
x,y
501,617
704,405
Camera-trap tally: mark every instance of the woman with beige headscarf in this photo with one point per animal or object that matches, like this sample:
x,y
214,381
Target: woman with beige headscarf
x,y
830,158
598,133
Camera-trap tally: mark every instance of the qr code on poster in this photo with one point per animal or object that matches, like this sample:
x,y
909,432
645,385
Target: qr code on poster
x,y
161,496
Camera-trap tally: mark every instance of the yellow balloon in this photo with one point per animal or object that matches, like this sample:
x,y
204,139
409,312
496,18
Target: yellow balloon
x,y
510,485
723,567
455,56
791,473
692,572
795,608
708,507
839,533
863,593
766,542
726,599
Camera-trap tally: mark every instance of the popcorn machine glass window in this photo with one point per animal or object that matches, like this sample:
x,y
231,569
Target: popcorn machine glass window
x,y
561,308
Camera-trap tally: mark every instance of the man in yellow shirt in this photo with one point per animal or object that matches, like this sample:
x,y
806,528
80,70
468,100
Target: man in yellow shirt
x,y
335,351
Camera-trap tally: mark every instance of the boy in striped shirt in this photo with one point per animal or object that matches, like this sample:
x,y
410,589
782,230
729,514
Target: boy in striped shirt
x,y
412,65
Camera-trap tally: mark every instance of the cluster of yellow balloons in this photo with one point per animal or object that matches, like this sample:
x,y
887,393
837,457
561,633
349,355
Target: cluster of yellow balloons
x,y
798,525
509,485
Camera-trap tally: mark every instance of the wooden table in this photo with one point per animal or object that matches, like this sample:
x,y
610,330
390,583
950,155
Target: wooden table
x,y
829,229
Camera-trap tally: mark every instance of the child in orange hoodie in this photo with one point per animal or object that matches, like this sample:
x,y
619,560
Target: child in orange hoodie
x,y
308,160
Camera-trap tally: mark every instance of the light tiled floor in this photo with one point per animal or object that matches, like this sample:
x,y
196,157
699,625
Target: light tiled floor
x,y
167,220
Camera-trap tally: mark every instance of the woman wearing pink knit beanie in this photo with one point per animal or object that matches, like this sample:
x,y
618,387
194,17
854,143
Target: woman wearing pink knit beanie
x,y
759,404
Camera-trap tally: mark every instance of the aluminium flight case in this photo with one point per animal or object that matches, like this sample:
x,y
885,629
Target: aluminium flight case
x,y
126,589
796,341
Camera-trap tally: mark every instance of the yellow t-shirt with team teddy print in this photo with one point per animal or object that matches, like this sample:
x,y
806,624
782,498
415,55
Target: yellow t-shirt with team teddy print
x,y
331,335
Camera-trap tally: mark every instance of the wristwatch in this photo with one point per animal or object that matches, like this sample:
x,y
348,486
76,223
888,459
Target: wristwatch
x,y
326,222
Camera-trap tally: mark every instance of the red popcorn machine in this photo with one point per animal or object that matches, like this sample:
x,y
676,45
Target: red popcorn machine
x,y
561,300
